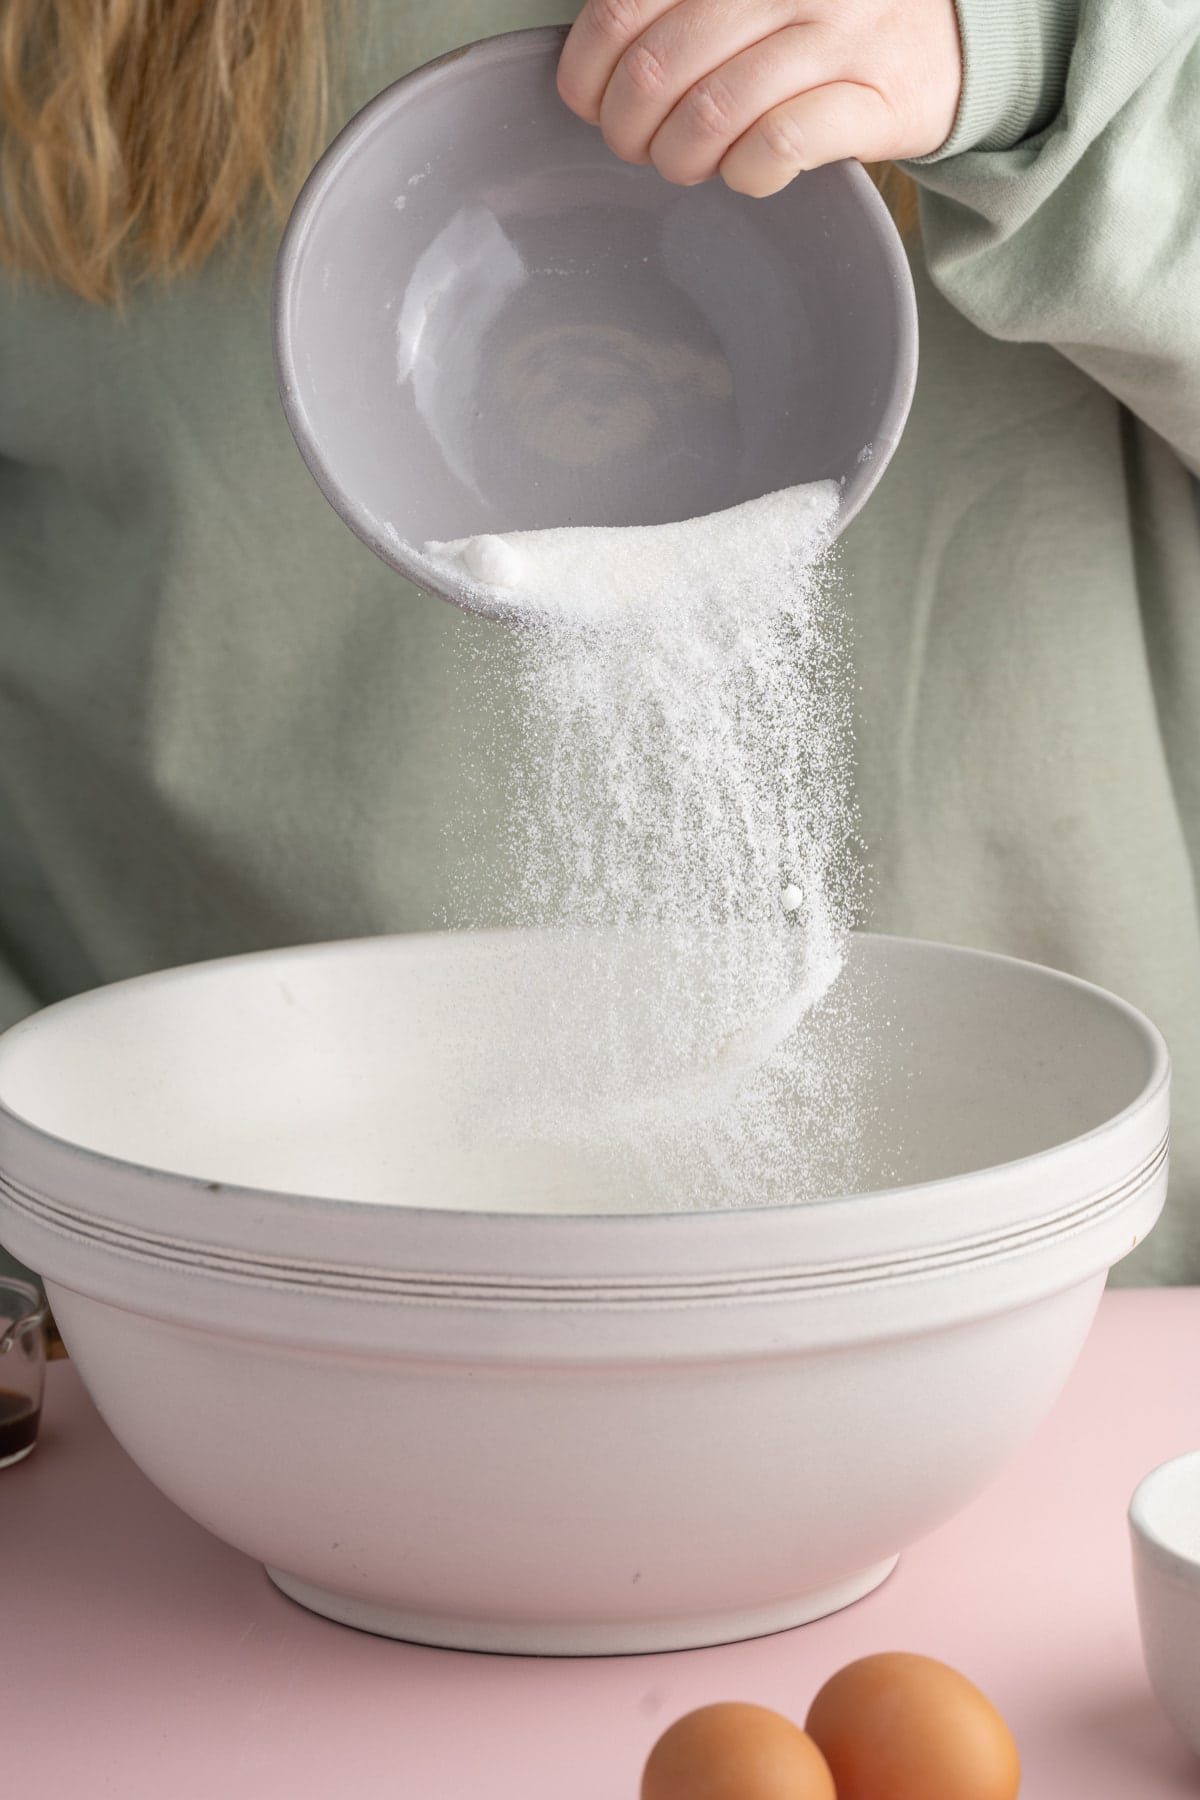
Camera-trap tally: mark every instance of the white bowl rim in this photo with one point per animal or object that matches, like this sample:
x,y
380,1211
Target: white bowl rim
x,y
706,1218
1141,1506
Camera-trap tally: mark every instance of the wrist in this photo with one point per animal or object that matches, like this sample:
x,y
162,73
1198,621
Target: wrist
x,y
1015,60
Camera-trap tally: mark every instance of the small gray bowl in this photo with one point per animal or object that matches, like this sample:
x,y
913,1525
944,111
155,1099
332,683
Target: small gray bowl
x,y
485,322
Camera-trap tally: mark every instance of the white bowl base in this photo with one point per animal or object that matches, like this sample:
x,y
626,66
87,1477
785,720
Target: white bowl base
x,y
626,1637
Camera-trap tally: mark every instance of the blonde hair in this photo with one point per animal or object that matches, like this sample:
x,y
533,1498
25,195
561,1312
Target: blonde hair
x,y
136,135
900,191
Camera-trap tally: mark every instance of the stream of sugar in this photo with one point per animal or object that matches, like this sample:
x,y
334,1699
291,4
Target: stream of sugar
x,y
686,828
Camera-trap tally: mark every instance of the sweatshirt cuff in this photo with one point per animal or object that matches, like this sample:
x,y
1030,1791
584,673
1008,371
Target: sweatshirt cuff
x,y
1016,54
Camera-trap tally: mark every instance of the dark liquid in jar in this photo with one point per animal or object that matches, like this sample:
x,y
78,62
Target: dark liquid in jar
x,y
18,1423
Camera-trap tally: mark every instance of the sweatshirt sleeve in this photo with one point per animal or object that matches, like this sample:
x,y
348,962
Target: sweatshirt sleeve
x,y
1064,209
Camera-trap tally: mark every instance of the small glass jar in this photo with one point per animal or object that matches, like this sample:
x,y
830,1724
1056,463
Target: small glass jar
x,y
23,1315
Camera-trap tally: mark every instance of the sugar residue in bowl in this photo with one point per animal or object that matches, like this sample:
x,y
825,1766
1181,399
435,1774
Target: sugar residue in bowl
x,y
598,573
684,824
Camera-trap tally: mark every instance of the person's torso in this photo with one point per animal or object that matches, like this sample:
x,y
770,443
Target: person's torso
x,y
224,725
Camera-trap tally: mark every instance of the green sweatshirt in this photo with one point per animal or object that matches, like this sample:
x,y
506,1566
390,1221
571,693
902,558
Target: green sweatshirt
x,y
224,725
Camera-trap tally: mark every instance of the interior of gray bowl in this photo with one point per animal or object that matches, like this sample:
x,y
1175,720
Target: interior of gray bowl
x,y
486,322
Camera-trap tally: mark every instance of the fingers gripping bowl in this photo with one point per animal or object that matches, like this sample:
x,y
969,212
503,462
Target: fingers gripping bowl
x,y
438,1403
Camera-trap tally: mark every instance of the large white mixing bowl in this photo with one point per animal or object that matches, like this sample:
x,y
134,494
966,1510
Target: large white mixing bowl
x,y
578,1433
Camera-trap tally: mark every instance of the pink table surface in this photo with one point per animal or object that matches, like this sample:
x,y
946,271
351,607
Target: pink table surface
x,y
139,1657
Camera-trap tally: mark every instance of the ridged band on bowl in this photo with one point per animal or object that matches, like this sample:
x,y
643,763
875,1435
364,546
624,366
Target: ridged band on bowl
x,y
520,1289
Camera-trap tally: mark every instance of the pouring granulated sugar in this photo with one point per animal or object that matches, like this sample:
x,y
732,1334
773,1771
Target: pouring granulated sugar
x,y
595,572
683,803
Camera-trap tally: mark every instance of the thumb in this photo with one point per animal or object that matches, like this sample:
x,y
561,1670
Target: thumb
x,y
824,125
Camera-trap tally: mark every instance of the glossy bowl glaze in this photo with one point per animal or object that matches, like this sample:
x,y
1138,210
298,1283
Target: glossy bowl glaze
x,y
439,1403
485,322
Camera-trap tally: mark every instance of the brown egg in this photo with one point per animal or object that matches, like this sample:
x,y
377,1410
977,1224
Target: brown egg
x,y
734,1751
913,1729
